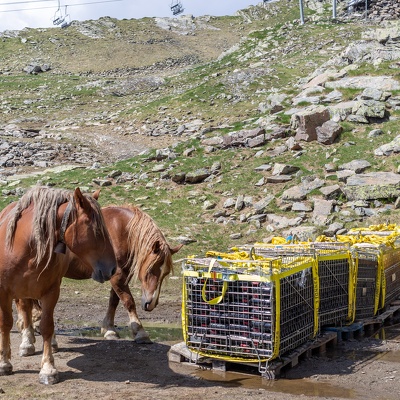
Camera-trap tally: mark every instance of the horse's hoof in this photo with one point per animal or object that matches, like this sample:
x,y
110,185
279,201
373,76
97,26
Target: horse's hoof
x,y
143,340
49,379
27,351
5,368
111,335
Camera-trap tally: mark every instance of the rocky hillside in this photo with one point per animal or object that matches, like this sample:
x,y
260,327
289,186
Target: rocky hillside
x,y
242,127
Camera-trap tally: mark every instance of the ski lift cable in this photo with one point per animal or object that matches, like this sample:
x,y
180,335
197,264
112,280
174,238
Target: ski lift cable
x,y
92,2
25,2
69,5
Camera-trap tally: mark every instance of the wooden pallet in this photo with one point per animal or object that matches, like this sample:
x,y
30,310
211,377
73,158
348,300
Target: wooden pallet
x,y
271,370
353,331
389,316
369,326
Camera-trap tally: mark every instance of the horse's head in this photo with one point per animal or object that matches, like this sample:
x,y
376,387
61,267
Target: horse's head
x,y
153,269
84,232
148,256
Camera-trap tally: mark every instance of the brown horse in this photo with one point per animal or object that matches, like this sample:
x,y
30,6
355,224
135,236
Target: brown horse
x,y
34,232
141,252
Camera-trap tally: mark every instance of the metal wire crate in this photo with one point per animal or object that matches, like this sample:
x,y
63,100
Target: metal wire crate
x,y
336,276
366,261
337,283
391,275
247,310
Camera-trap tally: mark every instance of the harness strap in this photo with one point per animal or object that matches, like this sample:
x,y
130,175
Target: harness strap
x,y
60,246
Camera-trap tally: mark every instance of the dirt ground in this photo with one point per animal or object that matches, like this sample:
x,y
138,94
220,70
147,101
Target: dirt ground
x,y
95,368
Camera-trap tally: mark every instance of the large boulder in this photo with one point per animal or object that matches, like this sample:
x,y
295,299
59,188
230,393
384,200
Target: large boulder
x,y
370,109
361,82
306,121
372,186
389,148
328,132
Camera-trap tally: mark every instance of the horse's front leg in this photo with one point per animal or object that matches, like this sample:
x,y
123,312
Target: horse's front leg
x,y
48,374
120,291
6,323
139,334
25,325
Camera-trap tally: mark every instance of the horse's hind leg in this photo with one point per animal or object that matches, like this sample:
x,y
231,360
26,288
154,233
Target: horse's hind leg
x,y
24,323
6,322
36,315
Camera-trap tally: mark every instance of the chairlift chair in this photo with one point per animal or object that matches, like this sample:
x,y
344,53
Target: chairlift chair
x,y
177,8
58,18
65,24
67,20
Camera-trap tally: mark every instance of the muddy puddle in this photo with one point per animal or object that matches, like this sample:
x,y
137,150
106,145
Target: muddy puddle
x,y
250,378
157,332
288,386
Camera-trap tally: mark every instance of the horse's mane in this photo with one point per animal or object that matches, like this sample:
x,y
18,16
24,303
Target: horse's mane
x,y
45,202
143,235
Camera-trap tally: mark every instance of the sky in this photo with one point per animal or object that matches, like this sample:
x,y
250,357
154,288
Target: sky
x,y
18,14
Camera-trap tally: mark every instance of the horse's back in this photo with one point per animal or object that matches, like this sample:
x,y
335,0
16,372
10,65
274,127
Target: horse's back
x,y
117,219
5,211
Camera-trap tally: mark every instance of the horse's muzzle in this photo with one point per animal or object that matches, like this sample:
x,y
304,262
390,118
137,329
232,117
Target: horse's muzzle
x,y
149,305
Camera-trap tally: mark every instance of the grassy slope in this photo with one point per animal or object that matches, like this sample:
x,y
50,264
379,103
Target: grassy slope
x,y
293,51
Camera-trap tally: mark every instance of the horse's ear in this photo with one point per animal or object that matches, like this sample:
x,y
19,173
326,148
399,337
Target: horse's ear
x,y
96,194
174,250
79,198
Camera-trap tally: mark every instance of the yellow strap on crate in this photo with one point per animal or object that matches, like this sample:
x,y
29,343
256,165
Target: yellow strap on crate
x,y
378,228
360,236
277,336
380,283
381,262
316,296
238,255
279,240
353,273
385,254
184,316
217,299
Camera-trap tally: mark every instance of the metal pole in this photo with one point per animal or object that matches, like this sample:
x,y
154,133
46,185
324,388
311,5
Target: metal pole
x,y
366,9
302,12
334,9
